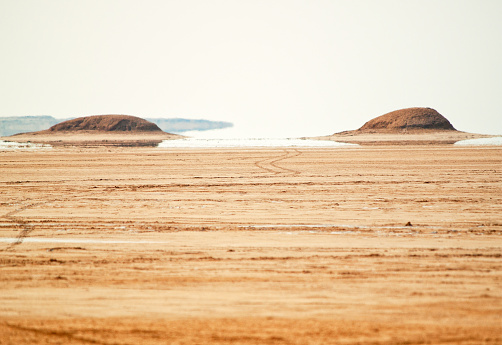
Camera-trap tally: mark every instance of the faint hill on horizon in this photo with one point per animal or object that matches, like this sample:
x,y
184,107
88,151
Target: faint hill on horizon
x,y
180,125
22,124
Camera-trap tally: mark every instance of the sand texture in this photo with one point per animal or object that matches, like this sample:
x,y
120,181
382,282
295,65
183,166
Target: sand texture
x,y
373,245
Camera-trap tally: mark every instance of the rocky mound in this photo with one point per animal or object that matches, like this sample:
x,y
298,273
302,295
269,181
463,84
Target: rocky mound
x,y
106,123
414,119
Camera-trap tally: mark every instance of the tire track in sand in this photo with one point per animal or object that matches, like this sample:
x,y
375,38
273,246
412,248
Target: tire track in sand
x,y
27,227
70,336
270,164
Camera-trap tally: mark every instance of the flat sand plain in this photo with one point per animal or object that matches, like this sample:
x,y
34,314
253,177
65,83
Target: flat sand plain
x,y
113,245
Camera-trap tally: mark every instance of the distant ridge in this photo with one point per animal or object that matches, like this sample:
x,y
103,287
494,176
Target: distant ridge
x,y
408,119
178,125
10,125
106,123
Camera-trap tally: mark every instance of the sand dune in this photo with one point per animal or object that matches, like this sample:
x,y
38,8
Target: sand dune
x,y
411,126
99,130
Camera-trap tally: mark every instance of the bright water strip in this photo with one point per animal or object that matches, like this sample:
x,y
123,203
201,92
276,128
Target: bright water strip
x,y
258,142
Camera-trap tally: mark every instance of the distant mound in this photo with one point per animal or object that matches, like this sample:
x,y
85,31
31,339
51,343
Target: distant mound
x,y
411,126
106,123
11,125
414,119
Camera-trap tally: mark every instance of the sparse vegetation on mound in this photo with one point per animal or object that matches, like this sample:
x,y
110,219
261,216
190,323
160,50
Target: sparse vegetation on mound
x,y
408,119
106,123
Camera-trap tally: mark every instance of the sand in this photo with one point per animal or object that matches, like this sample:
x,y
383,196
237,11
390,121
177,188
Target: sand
x,y
113,245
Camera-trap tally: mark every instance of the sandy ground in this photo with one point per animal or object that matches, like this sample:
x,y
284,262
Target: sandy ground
x,y
258,246
404,138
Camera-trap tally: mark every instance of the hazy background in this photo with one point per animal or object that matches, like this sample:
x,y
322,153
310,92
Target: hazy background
x,y
273,68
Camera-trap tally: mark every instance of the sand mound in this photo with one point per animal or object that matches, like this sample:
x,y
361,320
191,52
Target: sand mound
x,y
100,130
408,119
411,126
106,123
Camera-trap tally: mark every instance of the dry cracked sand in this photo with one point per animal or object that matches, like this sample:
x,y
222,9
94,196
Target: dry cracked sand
x,y
118,245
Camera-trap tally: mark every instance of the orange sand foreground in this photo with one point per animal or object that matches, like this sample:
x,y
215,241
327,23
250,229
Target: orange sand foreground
x,y
257,246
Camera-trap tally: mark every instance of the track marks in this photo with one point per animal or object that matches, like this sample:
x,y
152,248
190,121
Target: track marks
x,y
27,227
270,164
68,335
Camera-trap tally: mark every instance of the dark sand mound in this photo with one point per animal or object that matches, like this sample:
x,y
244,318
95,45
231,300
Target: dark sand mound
x,y
411,126
408,119
100,130
106,123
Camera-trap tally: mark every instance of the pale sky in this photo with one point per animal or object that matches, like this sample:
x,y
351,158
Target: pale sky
x,y
274,68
